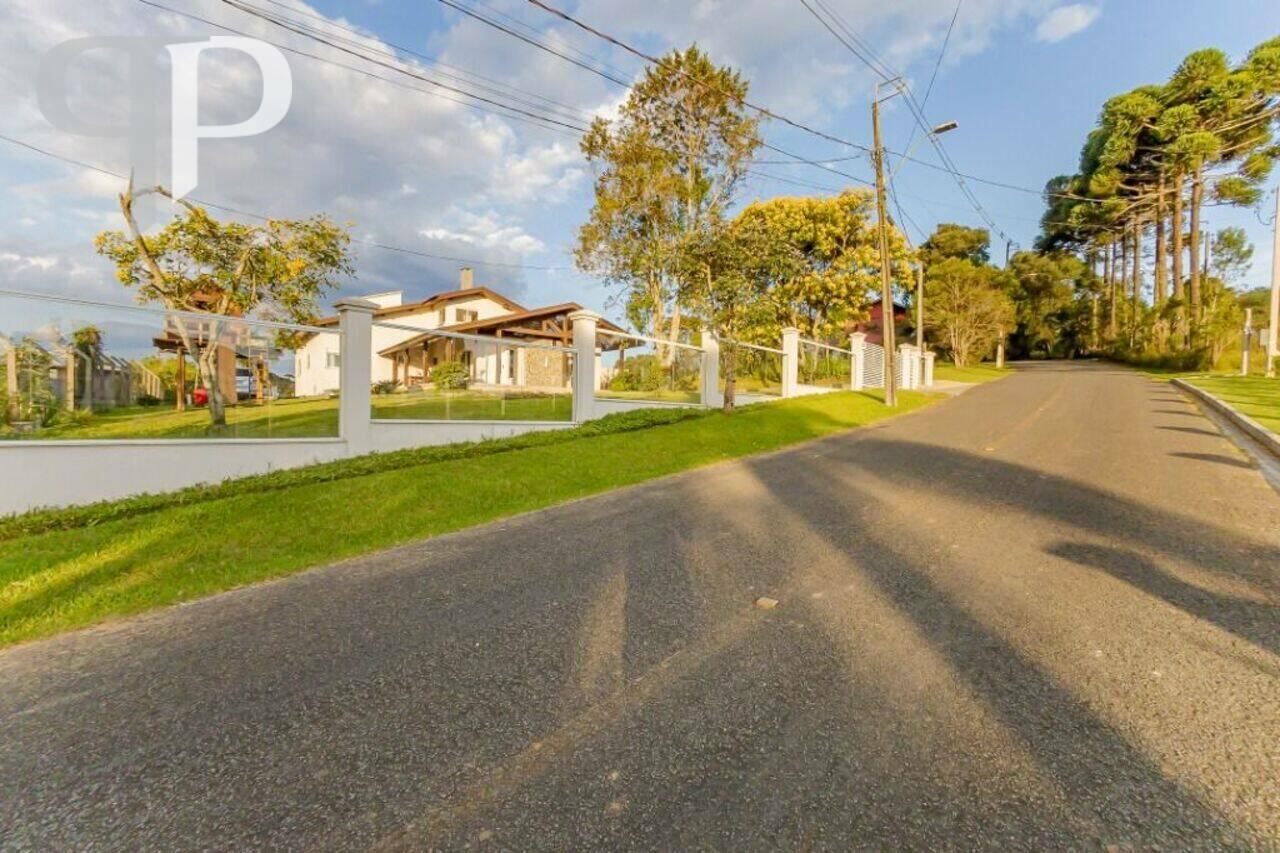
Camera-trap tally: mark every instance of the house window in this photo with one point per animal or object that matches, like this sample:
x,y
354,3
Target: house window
x,y
332,359
441,317
462,315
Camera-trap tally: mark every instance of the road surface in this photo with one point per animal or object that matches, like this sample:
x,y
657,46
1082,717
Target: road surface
x,y
1041,615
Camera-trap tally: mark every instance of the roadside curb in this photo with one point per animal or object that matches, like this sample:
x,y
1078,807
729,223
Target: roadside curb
x,y
1265,437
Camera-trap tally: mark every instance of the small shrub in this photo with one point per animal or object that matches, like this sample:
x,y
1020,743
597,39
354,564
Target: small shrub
x,y
450,376
148,400
639,373
384,387
1180,362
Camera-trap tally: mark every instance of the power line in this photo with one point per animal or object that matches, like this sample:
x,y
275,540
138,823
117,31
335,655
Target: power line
x,y
536,43
325,60
933,78
845,34
396,67
767,113
453,72
797,158
263,218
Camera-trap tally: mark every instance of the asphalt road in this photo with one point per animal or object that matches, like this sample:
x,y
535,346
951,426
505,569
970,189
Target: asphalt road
x,y
1041,615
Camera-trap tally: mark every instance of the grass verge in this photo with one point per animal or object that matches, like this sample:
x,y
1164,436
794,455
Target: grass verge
x,y
945,371
67,569
1255,396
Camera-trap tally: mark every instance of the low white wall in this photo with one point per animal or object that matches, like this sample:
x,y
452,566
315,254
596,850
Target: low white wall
x,y
391,434
63,473
610,405
36,474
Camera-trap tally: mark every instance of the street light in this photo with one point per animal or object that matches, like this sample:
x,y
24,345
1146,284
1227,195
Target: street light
x,y
886,279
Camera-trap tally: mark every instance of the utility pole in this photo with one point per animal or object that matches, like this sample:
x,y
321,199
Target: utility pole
x,y
1273,317
1246,341
886,280
920,307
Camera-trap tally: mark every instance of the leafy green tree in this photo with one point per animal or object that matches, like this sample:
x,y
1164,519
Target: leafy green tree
x,y
966,307
957,241
276,271
730,273
1043,289
667,171
821,259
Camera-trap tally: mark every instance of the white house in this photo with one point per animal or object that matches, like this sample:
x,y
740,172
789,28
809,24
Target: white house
x,y
406,356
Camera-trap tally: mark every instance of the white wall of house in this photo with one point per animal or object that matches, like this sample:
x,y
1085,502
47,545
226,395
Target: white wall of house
x,y
316,362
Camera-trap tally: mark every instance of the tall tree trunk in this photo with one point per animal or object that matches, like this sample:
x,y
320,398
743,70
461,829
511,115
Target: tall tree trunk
x,y
208,362
673,336
1111,291
1137,282
1197,198
1122,283
1162,274
1179,280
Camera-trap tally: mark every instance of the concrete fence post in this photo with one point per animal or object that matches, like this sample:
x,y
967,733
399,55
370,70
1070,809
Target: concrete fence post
x,y
928,368
858,361
711,396
906,357
355,374
584,364
790,361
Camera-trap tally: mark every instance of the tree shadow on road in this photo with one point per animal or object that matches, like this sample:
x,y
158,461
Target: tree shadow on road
x,y
984,481
1253,621
1109,781
1191,431
1214,457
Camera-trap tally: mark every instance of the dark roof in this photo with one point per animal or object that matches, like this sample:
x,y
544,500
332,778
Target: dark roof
x,y
432,302
896,305
502,321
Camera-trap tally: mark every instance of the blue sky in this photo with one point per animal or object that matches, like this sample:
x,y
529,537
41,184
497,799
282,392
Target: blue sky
x,y
413,171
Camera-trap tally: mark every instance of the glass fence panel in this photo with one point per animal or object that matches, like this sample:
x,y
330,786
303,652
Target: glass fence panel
x,y
823,367
633,368
79,370
758,371
423,375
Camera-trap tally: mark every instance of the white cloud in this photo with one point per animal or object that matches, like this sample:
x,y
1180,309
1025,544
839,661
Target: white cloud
x,y
407,168
1065,21
487,230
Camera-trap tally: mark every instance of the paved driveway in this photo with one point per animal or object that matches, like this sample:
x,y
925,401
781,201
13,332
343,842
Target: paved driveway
x,y
1043,615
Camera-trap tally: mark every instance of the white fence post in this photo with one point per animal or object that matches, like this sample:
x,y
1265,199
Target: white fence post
x,y
928,368
711,396
355,374
858,361
790,361
906,358
584,364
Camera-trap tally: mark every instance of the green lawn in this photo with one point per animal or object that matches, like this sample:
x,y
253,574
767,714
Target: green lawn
x,y
664,395
945,371
1255,396
307,417
93,564
473,406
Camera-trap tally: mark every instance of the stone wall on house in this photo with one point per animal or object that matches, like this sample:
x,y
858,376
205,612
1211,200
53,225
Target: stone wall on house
x,y
545,369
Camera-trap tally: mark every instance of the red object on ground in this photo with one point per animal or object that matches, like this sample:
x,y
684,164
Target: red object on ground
x,y
200,397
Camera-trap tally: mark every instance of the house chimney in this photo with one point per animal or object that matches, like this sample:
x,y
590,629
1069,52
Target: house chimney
x,y
468,279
